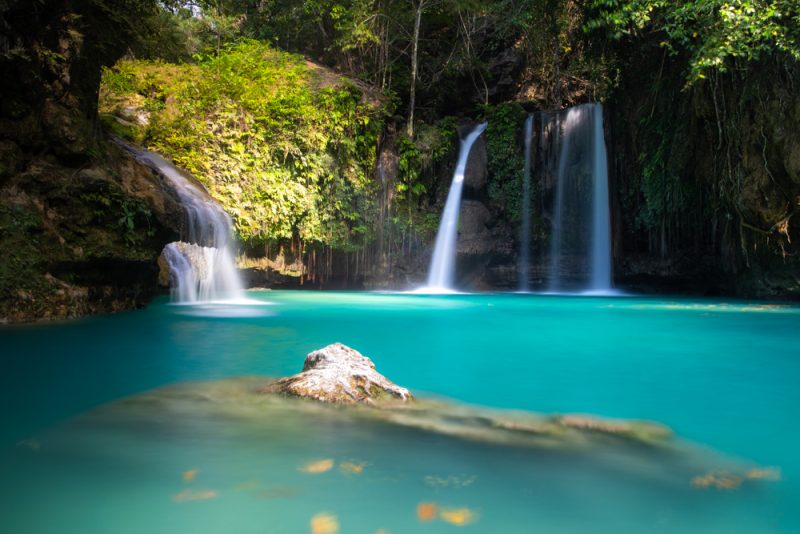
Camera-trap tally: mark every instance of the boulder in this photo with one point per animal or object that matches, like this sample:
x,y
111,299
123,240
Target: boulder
x,y
340,375
178,257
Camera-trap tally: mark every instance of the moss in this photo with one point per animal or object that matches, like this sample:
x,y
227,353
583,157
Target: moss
x,y
21,239
505,157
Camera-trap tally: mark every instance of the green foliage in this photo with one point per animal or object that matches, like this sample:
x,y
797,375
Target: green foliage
x,y
419,157
287,148
505,157
131,216
713,33
663,191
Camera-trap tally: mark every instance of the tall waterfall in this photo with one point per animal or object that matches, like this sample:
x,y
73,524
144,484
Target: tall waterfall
x,y
201,265
601,217
581,188
525,231
442,269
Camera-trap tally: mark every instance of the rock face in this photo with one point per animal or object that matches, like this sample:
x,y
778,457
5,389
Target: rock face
x,y
340,375
81,223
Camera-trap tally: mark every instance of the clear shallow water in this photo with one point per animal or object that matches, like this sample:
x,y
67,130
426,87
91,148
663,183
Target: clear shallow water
x,y
721,375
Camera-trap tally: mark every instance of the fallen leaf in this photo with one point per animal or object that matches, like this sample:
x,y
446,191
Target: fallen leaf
x,y
190,475
324,524
722,481
458,516
427,511
355,468
766,473
317,467
194,495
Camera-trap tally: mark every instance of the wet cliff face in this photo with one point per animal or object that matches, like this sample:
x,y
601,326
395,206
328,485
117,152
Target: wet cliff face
x,y
81,223
707,179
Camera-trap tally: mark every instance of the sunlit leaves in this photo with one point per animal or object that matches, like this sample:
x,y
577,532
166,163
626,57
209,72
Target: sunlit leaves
x,y
286,147
713,32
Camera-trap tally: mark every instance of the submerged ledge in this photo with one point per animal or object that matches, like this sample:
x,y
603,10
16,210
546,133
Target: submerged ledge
x,y
338,386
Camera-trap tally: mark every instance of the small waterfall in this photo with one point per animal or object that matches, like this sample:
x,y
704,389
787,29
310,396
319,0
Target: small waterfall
x,y
442,269
579,242
525,230
201,265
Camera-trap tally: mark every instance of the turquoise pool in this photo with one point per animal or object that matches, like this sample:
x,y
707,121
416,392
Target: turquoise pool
x,y
723,375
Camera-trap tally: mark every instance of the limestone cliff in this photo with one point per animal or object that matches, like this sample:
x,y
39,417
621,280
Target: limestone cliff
x,y
81,223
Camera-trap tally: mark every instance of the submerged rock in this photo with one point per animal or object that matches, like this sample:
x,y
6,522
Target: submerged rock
x,y
341,375
338,374
629,448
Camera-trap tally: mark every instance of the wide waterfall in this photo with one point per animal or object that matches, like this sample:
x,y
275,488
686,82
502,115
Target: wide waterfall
x,y
525,230
201,265
580,243
442,269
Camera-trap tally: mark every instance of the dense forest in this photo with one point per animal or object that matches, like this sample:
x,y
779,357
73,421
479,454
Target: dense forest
x,y
327,129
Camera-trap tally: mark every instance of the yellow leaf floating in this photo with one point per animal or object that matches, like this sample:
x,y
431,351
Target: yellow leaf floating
x,y
721,481
772,474
427,511
354,468
190,475
193,495
317,467
458,516
324,524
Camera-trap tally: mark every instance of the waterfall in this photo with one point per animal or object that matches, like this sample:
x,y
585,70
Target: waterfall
x,y
579,243
525,230
201,265
442,269
601,217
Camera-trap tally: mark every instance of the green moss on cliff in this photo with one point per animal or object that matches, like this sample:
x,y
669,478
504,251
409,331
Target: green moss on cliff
x,y
288,148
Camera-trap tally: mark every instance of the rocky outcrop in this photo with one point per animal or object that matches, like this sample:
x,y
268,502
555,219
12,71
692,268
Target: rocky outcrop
x,y
81,223
82,240
706,181
340,375
193,253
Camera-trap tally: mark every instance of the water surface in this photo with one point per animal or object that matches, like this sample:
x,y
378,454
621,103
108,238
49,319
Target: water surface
x,y
723,375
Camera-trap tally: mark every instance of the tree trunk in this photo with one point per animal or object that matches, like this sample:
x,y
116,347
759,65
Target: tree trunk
x,y
414,48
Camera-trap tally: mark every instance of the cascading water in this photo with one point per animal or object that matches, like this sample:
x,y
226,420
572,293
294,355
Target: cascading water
x,y
201,264
442,269
525,231
601,217
581,186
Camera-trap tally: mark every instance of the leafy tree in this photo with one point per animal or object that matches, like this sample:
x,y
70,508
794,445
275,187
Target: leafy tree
x,y
712,33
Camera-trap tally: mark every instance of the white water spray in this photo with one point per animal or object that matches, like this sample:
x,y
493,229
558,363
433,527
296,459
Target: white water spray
x,y
525,231
581,158
442,269
201,265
